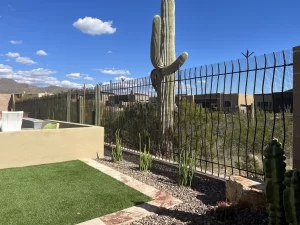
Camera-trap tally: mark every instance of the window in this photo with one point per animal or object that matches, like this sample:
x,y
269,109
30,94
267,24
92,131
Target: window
x,y
227,103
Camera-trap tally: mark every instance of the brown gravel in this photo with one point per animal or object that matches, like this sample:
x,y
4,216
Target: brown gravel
x,y
198,201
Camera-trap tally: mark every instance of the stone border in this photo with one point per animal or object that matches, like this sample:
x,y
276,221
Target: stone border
x,y
160,200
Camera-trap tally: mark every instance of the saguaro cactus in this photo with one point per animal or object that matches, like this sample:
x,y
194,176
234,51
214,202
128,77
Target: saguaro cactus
x,y
80,109
98,105
291,197
274,176
165,63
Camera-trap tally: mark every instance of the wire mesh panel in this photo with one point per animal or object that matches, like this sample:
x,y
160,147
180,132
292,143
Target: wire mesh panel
x,y
226,113
230,111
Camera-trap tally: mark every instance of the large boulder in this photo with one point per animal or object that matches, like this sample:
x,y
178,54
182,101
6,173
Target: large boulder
x,y
245,191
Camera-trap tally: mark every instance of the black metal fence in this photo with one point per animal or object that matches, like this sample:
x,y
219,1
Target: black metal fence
x,y
225,113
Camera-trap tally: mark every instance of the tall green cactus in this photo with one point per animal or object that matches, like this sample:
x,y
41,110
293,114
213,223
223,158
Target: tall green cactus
x,y
165,63
80,109
274,166
291,196
98,105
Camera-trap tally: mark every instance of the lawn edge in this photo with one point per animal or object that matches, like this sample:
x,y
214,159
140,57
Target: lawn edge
x,y
161,200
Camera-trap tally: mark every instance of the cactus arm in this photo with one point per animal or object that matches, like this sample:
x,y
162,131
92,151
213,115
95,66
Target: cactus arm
x,y
155,79
156,73
172,68
155,43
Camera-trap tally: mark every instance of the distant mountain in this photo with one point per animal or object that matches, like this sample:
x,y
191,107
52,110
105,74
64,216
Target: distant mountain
x,y
9,86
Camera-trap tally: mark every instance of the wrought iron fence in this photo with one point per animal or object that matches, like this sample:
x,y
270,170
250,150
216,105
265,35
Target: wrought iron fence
x,y
226,113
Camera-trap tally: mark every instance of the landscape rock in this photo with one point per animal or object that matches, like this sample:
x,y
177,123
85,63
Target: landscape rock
x,y
245,191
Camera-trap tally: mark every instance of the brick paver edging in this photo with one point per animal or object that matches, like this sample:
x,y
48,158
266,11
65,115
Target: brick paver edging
x,y
160,200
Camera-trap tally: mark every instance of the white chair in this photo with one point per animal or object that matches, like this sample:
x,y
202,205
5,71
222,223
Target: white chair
x,y
11,121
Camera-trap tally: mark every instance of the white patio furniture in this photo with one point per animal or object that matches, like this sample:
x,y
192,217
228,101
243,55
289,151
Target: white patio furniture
x,y
11,121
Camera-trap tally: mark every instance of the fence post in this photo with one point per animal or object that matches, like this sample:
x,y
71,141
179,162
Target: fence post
x,y
296,107
69,106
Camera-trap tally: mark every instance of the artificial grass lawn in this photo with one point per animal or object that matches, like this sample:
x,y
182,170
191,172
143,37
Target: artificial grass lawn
x,y
61,194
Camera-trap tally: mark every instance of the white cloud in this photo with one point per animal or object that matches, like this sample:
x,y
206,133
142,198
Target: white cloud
x,y
12,54
25,60
87,77
94,26
109,52
120,78
16,42
5,70
114,71
7,60
11,8
105,83
69,84
74,75
79,76
38,77
41,52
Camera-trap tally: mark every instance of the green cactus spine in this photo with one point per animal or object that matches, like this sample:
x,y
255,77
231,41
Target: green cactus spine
x,y
274,166
98,105
165,63
291,197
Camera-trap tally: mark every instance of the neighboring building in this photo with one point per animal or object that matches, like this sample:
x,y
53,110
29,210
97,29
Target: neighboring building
x,y
28,95
274,101
39,95
228,102
4,102
124,99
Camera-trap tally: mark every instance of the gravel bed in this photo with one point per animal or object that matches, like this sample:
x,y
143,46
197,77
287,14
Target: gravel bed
x,y
198,201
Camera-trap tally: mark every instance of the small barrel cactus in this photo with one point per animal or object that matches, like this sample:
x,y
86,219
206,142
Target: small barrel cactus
x,y
291,197
274,166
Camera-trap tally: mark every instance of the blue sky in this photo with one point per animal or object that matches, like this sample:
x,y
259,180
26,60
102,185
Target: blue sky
x,y
46,42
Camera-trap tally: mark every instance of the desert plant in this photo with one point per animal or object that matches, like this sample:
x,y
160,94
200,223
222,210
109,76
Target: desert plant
x,y
80,109
117,151
291,197
186,168
98,105
250,163
165,65
274,166
224,211
145,156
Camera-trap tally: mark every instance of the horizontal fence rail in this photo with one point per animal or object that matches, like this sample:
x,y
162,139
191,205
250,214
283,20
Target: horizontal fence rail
x,y
223,114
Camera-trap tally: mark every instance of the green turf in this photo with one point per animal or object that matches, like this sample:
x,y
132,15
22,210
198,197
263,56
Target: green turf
x,y
61,194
